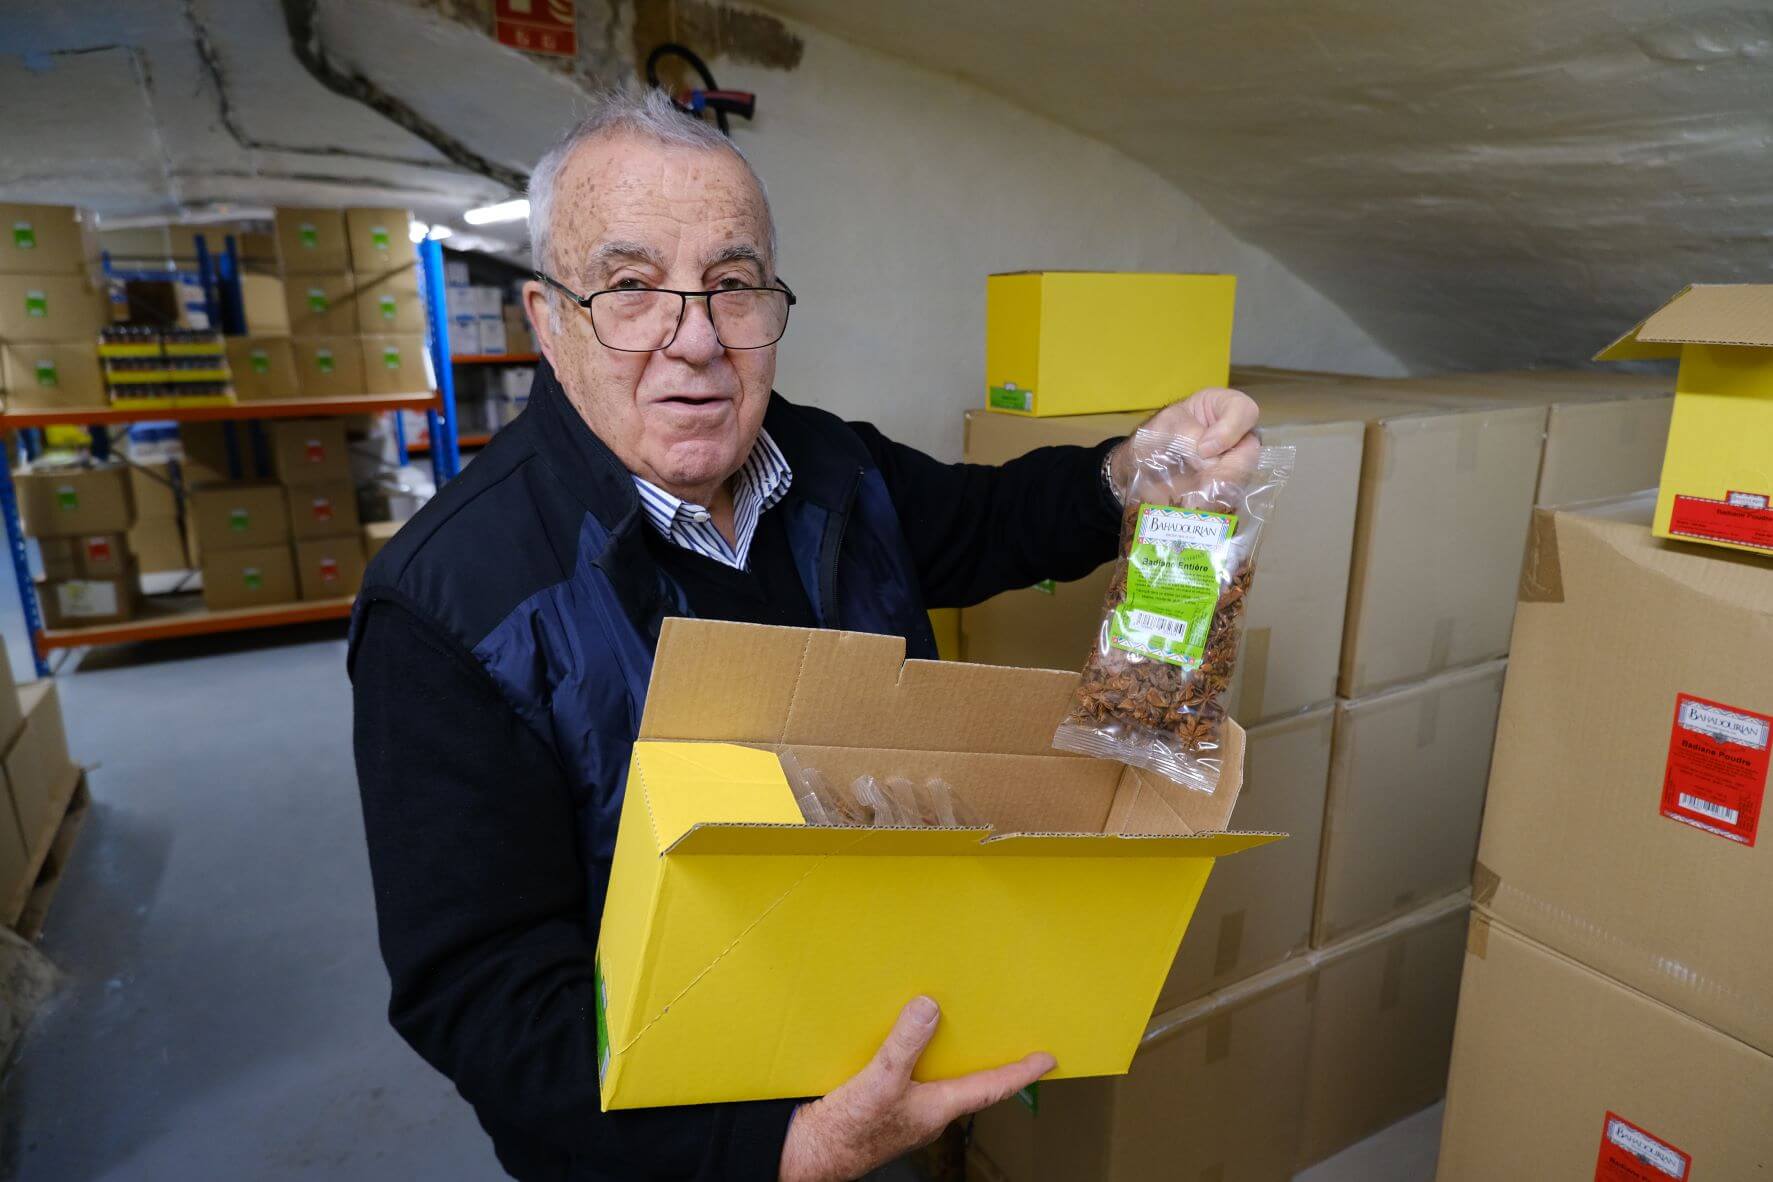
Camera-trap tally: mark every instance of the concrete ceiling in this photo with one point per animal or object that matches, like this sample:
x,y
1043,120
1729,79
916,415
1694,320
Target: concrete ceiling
x,y
1479,184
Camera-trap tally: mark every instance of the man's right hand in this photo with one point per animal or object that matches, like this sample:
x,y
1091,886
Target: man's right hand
x,y
882,1113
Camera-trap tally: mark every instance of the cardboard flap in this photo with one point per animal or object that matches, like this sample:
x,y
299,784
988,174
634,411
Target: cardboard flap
x,y
1700,314
1118,845
749,683
685,784
813,840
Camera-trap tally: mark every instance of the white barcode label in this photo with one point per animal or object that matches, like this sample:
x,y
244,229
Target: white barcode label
x,y
1716,811
1162,625
1647,1149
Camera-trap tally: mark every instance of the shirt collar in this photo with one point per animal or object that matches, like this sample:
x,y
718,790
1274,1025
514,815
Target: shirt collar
x,y
764,478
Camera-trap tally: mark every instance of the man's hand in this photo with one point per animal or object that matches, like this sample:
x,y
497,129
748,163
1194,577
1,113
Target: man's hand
x,y
1220,421
881,1113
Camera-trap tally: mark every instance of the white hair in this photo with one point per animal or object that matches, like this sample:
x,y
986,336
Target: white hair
x,y
648,113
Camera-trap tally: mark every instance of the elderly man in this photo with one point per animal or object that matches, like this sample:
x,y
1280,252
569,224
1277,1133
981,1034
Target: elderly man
x,y
503,640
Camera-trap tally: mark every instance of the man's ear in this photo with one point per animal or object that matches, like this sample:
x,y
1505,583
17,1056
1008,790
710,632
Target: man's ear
x,y
541,321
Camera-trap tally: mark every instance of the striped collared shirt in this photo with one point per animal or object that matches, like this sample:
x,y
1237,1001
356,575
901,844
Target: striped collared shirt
x,y
758,485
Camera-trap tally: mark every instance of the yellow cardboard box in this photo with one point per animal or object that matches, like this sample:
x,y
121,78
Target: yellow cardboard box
x,y
1717,474
1083,342
1055,932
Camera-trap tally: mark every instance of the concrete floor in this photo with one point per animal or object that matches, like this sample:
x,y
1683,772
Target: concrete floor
x,y
222,1013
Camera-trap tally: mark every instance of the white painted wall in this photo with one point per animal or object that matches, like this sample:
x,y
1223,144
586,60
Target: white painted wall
x,y
897,190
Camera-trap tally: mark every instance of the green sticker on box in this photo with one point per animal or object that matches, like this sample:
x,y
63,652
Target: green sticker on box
x,y
323,360
1010,396
260,361
24,236
67,497
316,300
388,307
1172,585
391,356
1047,587
239,520
378,237
46,375
308,236
1030,1096
37,303
253,579
602,1002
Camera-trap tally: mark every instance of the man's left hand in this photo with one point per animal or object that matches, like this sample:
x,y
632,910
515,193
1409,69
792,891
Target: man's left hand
x,y
1222,423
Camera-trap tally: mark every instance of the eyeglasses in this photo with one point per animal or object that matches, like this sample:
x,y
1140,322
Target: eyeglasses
x,y
646,319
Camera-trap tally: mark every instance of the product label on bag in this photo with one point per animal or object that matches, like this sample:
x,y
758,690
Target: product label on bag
x,y
1717,768
1629,1154
1741,517
1172,584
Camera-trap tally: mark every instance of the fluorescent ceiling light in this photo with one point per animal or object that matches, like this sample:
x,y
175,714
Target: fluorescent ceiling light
x,y
504,211
439,233
416,230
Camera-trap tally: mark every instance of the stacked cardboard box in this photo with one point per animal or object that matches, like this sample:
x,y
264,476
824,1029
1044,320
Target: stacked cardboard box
x,y
1614,1006
44,795
80,514
310,459
157,540
50,312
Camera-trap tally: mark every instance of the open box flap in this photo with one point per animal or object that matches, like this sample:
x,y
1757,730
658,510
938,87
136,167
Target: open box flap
x,y
685,784
1700,314
776,840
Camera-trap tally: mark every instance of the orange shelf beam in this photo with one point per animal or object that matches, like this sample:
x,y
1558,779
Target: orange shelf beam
x,y
270,408
196,623
473,439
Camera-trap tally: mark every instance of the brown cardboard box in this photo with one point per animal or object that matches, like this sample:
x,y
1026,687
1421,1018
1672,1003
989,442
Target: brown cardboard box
x,y
267,310
137,244
379,240
1641,675
321,304
158,545
311,241
390,302
324,509
90,556
1256,910
309,451
11,714
15,865
44,240
328,366
377,534
262,367
1444,503
1382,1028
52,375
69,500
76,603
207,449
1560,1072
255,576
1293,626
1406,798
236,516
395,364
151,487
327,568
519,337
37,764
1216,1092
50,308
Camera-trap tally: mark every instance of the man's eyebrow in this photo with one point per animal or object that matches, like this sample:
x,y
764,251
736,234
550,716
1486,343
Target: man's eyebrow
x,y
605,257
737,252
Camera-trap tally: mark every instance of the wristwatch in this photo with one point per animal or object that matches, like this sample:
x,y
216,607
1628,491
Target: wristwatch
x,y
1108,475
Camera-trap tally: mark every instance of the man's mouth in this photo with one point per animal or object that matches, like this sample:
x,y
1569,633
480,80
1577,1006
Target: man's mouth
x,y
694,400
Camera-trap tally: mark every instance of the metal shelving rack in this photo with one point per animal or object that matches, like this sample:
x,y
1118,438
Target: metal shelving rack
x,y
220,277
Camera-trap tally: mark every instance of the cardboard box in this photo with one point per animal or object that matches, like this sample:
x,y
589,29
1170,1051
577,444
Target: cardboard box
x,y
1005,930
327,568
266,301
50,308
321,305
380,241
311,241
254,576
377,534
44,240
158,545
390,302
1640,675
15,864
37,764
1086,342
328,367
1216,1092
1717,474
90,556
262,367
395,364
308,451
51,375
70,500
137,244
325,509
151,487
11,714
1559,1072
1293,625
1382,1028
1406,798
464,335
216,453
76,603
1256,910
236,516
519,337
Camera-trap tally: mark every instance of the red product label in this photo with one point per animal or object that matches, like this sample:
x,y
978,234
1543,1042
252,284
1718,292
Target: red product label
x,y
98,549
1717,768
536,26
1629,1154
1743,518
316,451
322,509
329,570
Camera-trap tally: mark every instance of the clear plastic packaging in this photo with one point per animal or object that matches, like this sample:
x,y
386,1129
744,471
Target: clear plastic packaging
x,y
1152,688
896,801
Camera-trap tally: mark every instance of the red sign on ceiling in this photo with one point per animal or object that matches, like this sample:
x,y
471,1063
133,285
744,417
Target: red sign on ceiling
x,y
536,26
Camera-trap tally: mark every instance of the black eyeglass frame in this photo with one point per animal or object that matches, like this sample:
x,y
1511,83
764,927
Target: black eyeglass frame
x,y
684,297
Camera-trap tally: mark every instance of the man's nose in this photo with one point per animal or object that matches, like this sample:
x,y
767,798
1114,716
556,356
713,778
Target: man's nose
x,y
696,342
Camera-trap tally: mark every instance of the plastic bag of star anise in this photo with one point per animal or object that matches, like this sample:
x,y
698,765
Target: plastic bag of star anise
x,y
1153,687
